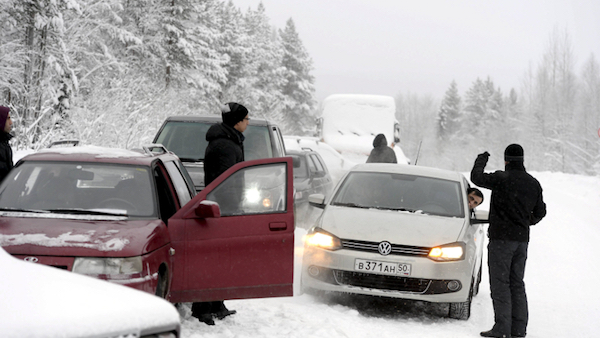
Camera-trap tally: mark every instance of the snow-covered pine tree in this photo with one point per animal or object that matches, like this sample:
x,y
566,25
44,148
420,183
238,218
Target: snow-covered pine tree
x,y
298,87
449,114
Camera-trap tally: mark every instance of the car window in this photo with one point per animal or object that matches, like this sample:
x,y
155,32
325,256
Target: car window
x,y
278,143
300,167
166,200
401,192
317,162
56,186
257,143
181,187
253,190
311,166
186,139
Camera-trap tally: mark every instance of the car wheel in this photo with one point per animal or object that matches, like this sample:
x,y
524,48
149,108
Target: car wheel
x,y
461,310
162,287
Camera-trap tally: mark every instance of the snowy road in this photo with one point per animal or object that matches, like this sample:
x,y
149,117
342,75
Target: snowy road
x,y
561,275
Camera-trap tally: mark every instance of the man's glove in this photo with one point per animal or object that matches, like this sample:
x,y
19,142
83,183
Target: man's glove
x,y
485,154
482,158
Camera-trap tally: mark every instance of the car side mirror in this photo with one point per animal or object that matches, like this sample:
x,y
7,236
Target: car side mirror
x,y
296,162
317,200
319,174
480,217
208,209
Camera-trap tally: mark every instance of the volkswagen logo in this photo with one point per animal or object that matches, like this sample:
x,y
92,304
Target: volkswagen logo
x,y
31,259
384,248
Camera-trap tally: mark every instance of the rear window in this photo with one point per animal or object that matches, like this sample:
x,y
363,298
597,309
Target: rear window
x,y
188,140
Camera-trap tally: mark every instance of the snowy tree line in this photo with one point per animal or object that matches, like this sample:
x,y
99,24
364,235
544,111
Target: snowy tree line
x,y
555,116
108,72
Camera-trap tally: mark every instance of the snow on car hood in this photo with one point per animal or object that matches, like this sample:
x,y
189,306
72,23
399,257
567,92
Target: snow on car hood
x,y
37,236
397,227
42,301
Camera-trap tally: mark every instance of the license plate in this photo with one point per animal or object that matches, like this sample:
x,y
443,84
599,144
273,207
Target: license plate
x,y
384,268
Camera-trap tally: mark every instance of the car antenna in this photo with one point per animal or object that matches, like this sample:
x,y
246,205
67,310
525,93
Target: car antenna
x,y
418,151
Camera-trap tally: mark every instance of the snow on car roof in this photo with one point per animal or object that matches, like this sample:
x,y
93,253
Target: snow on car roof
x,y
94,154
94,150
33,292
409,170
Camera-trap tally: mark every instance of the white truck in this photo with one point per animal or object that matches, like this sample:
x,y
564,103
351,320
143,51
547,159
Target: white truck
x,y
350,122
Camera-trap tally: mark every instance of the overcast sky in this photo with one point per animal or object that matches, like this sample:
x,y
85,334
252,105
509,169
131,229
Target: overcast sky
x,y
393,46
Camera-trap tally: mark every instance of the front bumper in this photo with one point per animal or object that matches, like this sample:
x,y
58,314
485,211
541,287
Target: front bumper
x,y
429,280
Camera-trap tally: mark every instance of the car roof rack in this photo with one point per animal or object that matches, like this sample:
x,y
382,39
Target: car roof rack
x,y
155,149
64,143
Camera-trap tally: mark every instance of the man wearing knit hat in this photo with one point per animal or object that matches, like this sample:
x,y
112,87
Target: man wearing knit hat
x,y
225,148
515,205
6,162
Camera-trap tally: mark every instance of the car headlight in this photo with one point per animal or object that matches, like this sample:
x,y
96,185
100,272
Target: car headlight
x,y
323,239
449,252
108,266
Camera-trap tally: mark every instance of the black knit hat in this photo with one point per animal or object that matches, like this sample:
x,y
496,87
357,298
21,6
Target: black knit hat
x,y
513,153
233,113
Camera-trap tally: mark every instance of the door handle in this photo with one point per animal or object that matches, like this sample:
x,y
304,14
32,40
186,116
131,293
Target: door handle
x,y
277,226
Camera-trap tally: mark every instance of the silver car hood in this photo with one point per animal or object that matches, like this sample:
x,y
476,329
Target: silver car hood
x,y
396,227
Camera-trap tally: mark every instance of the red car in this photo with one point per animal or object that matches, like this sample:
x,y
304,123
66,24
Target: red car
x,y
132,218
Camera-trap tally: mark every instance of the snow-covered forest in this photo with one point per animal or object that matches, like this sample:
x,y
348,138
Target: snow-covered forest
x,y
108,72
555,115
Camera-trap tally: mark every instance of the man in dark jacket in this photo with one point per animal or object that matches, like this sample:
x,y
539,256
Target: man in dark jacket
x,y
6,162
381,153
515,205
225,148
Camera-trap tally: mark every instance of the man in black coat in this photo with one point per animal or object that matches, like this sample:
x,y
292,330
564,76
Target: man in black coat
x,y
515,205
6,162
381,153
225,148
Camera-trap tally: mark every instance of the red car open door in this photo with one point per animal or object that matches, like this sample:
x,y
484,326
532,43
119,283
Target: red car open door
x,y
235,239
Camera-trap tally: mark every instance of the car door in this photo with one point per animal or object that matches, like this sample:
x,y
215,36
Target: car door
x,y
235,239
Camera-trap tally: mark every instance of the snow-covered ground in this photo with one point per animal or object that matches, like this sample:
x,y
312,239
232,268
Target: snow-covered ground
x,y
561,279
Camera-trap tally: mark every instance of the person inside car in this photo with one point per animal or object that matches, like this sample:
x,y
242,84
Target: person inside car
x,y
475,197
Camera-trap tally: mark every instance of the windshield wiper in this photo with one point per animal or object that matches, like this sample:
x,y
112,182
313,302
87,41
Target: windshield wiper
x,y
395,209
187,159
24,210
352,205
74,211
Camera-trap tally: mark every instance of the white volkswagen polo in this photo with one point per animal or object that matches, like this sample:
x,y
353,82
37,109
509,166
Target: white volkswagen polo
x,y
397,231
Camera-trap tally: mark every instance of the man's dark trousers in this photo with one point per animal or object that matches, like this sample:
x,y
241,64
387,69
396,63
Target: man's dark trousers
x,y
506,262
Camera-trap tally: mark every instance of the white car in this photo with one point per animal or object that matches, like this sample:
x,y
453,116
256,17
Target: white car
x,y
41,301
399,231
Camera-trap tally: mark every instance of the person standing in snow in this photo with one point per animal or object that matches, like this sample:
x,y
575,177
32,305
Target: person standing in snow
x,y
6,159
225,148
381,153
515,205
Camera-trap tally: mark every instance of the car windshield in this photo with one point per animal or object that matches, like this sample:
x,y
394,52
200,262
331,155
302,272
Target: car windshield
x,y
400,192
188,140
79,188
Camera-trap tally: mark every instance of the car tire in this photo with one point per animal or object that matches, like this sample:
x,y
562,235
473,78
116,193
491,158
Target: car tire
x,y
461,310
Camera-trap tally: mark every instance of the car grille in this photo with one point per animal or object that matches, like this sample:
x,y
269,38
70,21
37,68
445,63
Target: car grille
x,y
402,250
382,282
